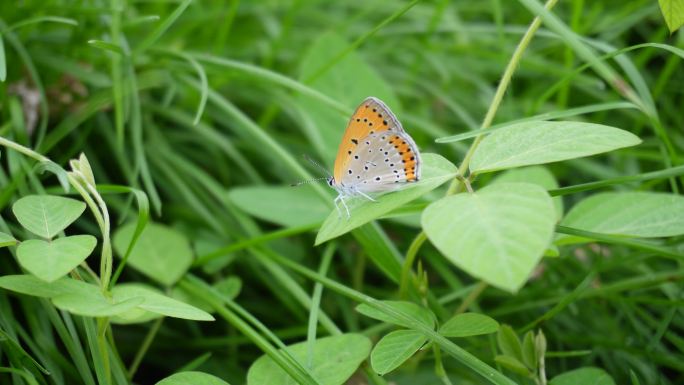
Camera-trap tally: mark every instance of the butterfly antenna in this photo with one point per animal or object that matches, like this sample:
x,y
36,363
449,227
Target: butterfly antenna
x,y
317,165
308,181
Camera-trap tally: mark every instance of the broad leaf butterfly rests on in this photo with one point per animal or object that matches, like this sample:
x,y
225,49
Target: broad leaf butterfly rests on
x,y
375,155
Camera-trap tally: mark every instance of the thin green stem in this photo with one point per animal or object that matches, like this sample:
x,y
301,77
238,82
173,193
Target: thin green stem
x,y
660,174
316,302
445,344
456,184
144,347
472,296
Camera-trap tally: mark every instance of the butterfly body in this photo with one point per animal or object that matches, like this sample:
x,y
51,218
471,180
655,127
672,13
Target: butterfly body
x,y
376,155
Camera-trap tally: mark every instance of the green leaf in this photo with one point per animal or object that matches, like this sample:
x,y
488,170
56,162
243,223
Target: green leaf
x,y
497,234
47,215
192,378
469,324
229,288
673,12
540,346
528,351
509,344
394,349
13,348
31,285
7,240
512,364
161,252
409,309
335,359
52,260
158,303
583,376
538,175
107,46
634,214
323,125
436,171
3,62
285,205
82,298
530,143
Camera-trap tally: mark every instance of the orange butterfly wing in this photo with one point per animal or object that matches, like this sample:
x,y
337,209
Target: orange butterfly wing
x,y
371,116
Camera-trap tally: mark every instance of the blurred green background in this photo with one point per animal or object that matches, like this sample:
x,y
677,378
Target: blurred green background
x,y
208,107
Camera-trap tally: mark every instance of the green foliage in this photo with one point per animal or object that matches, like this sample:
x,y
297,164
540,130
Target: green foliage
x,y
436,171
394,349
408,309
302,205
529,143
7,240
180,126
161,253
46,215
468,324
52,260
593,376
331,361
635,214
538,175
501,232
192,378
673,12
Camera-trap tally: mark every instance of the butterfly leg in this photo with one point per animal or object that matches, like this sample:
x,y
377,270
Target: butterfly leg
x,y
366,196
337,206
345,206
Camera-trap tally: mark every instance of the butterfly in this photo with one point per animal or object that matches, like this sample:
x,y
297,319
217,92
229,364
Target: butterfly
x,y
375,155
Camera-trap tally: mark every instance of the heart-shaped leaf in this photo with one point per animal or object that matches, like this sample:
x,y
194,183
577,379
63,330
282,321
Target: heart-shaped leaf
x,y
52,260
334,360
7,240
529,143
394,349
408,309
161,252
497,234
469,324
637,214
436,171
192,378
47,215
538,175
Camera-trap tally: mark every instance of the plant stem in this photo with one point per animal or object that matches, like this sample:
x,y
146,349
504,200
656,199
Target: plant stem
x,y
144,347
456,184
477,290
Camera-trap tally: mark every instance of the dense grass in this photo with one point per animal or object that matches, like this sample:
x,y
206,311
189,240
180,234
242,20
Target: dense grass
x,y
197,107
